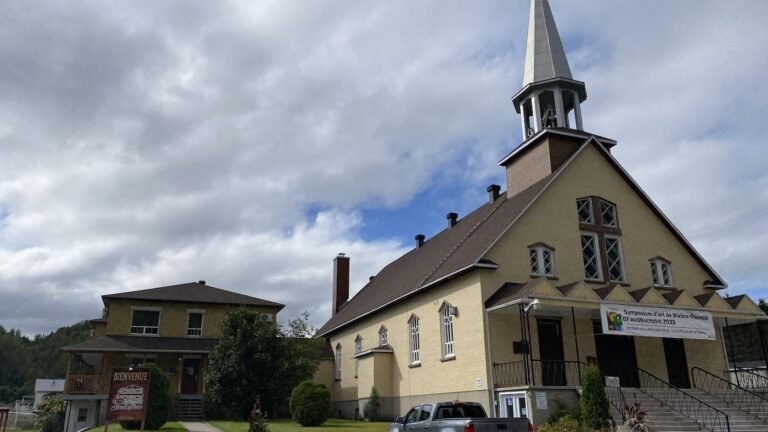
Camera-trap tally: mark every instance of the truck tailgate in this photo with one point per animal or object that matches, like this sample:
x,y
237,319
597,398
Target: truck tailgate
x,y
498,424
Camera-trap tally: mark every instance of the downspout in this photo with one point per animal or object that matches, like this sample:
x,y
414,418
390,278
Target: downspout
x,y
489,362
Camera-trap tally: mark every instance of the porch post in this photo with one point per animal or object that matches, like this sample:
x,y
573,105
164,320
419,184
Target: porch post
x,y
576,340
526,347
530,345
733,353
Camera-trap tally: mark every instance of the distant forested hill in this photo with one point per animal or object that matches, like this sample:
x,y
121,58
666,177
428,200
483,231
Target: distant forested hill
x,y
22,359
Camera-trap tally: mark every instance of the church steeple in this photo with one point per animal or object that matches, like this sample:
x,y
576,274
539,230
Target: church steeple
x,y
550,97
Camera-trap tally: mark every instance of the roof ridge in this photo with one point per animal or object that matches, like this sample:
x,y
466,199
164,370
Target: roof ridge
x,y
461,241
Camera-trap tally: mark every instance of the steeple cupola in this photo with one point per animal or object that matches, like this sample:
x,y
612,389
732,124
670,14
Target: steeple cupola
x,y
550,97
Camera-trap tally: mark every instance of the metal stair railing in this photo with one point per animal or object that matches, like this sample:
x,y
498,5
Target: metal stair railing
x,y
749,379
686,404
730,393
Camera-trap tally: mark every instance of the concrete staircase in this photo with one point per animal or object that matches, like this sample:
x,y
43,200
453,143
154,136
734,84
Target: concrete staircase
x,y
189,410
662,418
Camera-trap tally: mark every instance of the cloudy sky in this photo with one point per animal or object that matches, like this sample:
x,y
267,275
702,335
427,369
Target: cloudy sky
x,y
152,143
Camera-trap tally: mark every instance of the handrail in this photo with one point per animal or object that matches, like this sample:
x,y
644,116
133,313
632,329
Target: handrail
x,y
732,394
539,372
686,404
752,377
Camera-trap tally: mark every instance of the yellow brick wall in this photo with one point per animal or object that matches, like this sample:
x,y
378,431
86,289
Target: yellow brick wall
x,y
553,220
173,317
433,376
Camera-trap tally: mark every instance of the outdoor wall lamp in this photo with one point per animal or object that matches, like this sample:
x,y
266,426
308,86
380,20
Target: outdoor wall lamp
x,y
535,304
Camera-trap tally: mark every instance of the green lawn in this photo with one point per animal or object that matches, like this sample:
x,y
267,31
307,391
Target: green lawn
x,y
171,426
289,426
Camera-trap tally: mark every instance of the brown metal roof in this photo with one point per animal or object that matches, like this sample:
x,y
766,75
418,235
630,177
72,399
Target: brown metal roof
x,y
735,300
145,344
508,292
451,252
192,292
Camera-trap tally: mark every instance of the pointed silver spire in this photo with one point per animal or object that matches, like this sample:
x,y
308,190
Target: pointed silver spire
x,y
544,55
550,97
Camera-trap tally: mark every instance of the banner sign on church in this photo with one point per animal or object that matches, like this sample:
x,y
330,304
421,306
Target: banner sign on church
x,y
627,320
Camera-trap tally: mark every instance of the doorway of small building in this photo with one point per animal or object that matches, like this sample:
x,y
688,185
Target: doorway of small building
x,y
677,363
513,405
551,352
190,375
616,356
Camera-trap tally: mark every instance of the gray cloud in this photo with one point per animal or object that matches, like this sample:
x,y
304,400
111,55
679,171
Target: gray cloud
x,y
152,143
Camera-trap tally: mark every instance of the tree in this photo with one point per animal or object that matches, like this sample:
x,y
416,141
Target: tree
x,y
310,404
594,402
50,415
253,360
158,403
372,408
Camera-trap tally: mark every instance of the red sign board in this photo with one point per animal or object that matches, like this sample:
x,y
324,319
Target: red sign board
x,y
128,394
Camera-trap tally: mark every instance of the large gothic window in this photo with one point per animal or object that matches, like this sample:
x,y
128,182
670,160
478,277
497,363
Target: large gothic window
x,y
447,314
600,240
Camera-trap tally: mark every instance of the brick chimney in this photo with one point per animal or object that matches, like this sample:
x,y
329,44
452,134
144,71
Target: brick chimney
x,y
340,282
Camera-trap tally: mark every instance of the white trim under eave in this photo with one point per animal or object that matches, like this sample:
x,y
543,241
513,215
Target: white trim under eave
x,y
535,136
412,293
508,304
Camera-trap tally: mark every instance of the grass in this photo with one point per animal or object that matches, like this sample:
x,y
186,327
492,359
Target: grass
x,y
289,426
171,426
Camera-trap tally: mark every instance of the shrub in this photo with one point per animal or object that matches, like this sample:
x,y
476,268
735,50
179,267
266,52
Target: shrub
x,y
257,422
594,402
159,402
50,415
563,424
635,419
561,409
372,408
310,404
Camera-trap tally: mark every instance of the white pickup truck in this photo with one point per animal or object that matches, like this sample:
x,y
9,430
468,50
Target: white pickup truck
x,y
456,417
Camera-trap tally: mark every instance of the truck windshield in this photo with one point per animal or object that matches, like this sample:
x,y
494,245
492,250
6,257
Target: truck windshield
x,y
460,411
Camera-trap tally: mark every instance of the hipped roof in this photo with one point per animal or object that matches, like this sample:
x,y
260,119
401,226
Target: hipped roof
x,y
192,292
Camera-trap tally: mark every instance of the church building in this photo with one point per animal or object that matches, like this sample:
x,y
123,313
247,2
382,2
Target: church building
x,y
572,265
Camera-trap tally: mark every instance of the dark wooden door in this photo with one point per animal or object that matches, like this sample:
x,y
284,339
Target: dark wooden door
x,y
189,376
677,363
551,352
616,356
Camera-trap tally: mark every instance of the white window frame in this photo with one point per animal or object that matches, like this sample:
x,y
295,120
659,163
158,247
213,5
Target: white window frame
x,y
615,213
196,332
591,220
144,329
518,411
447,334
414,342
621,259
383,336
539,251
596,244
658,264
338,362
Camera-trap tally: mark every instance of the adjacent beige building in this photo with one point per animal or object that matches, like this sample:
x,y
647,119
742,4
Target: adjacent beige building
x,y
174,327
503,307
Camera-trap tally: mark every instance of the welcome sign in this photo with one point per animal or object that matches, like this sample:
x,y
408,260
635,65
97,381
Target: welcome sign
x,y
128,393
628,320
